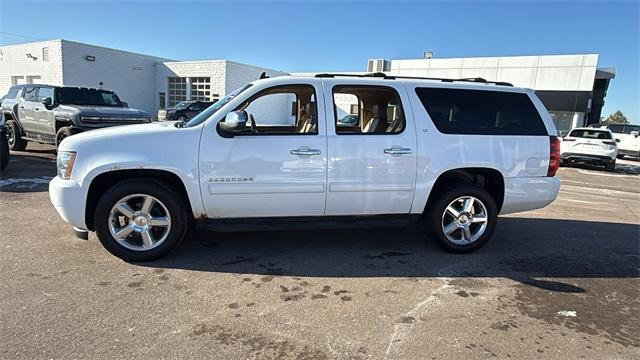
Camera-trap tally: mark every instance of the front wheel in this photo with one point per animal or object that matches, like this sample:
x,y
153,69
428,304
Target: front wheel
x,y
140,219
14,136
63,133
463,218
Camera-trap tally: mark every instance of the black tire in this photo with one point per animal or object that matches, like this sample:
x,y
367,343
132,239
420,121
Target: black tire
x,y
4,149
434,216
14,136
620,156
63,133
161,191
610,167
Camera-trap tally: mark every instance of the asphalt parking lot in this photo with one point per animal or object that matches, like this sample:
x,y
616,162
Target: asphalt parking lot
x,y
561,282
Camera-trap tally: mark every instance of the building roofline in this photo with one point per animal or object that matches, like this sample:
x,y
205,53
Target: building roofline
x,y
485,57
161,59
31,43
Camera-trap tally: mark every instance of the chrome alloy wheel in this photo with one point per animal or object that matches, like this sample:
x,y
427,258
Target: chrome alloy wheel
x,y
139,222
464,220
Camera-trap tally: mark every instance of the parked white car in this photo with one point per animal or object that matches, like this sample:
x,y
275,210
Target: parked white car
x,y
453,154
590,145
628,138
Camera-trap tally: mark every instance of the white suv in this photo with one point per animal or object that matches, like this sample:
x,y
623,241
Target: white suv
x,y
590,145
271,155
628,138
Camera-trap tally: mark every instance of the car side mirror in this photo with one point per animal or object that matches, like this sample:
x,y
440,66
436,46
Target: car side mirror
x,y
617,140
635,133
124,103
47,102
234,122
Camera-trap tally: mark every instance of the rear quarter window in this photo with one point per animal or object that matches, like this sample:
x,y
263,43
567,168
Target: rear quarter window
x,y
481,112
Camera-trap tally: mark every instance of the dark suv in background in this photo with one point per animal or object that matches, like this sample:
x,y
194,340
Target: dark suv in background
x,y
48,114
186,110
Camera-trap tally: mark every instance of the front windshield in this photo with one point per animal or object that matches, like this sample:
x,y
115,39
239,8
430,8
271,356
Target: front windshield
x,y
84,96
203,116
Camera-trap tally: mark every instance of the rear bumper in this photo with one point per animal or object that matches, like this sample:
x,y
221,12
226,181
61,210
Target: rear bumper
x,y
68,198
529,193
590,158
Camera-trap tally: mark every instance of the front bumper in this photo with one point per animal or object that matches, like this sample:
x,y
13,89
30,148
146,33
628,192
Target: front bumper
x,y
68,198
589,158
529,193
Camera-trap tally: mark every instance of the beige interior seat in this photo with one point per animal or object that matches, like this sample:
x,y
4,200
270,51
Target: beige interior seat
x,y
378,121
311,122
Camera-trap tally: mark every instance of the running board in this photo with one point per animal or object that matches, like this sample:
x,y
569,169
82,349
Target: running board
x,y
306,223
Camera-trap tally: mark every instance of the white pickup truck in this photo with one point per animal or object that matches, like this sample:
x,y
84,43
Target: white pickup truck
x,y
452,154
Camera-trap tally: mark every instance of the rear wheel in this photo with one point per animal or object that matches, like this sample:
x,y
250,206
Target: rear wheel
x,y
619,156
463,218
140,220
14,136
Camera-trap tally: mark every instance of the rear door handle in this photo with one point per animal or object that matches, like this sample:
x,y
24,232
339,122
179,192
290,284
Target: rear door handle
x,y
397,151
20,107
305,152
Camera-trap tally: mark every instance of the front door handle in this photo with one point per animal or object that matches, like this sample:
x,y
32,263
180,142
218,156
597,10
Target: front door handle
x,y
305,152
397,151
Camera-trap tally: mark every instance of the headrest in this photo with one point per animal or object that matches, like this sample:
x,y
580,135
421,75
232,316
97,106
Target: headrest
x,y
379,111
310,109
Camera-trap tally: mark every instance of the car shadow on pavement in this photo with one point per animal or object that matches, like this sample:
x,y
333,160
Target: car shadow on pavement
x,y
622,167
528,250
27,173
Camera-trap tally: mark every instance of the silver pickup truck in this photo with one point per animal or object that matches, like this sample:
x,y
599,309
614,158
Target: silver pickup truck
x,y
48,114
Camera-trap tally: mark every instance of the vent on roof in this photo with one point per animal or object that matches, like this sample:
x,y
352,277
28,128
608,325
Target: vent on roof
x,y
378,65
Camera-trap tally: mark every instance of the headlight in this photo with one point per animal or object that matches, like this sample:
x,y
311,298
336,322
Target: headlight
x,y
65,161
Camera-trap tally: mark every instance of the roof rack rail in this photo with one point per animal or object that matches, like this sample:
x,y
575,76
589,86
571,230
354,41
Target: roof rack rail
x,y
393,77
330,75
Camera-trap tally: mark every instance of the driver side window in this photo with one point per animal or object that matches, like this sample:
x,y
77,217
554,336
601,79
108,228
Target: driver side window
x,y
282,110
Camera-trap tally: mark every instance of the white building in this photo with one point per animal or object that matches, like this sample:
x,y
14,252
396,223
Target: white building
x,y
145,82
572,87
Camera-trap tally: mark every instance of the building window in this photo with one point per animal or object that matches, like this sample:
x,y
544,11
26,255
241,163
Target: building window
x,y
200,88
563,120
177,90
161,100
45,54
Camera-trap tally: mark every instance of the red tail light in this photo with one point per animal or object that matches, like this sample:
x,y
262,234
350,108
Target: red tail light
x,y
554,156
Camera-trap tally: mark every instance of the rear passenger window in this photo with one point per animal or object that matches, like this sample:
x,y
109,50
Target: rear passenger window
x,y
481,112
367,110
